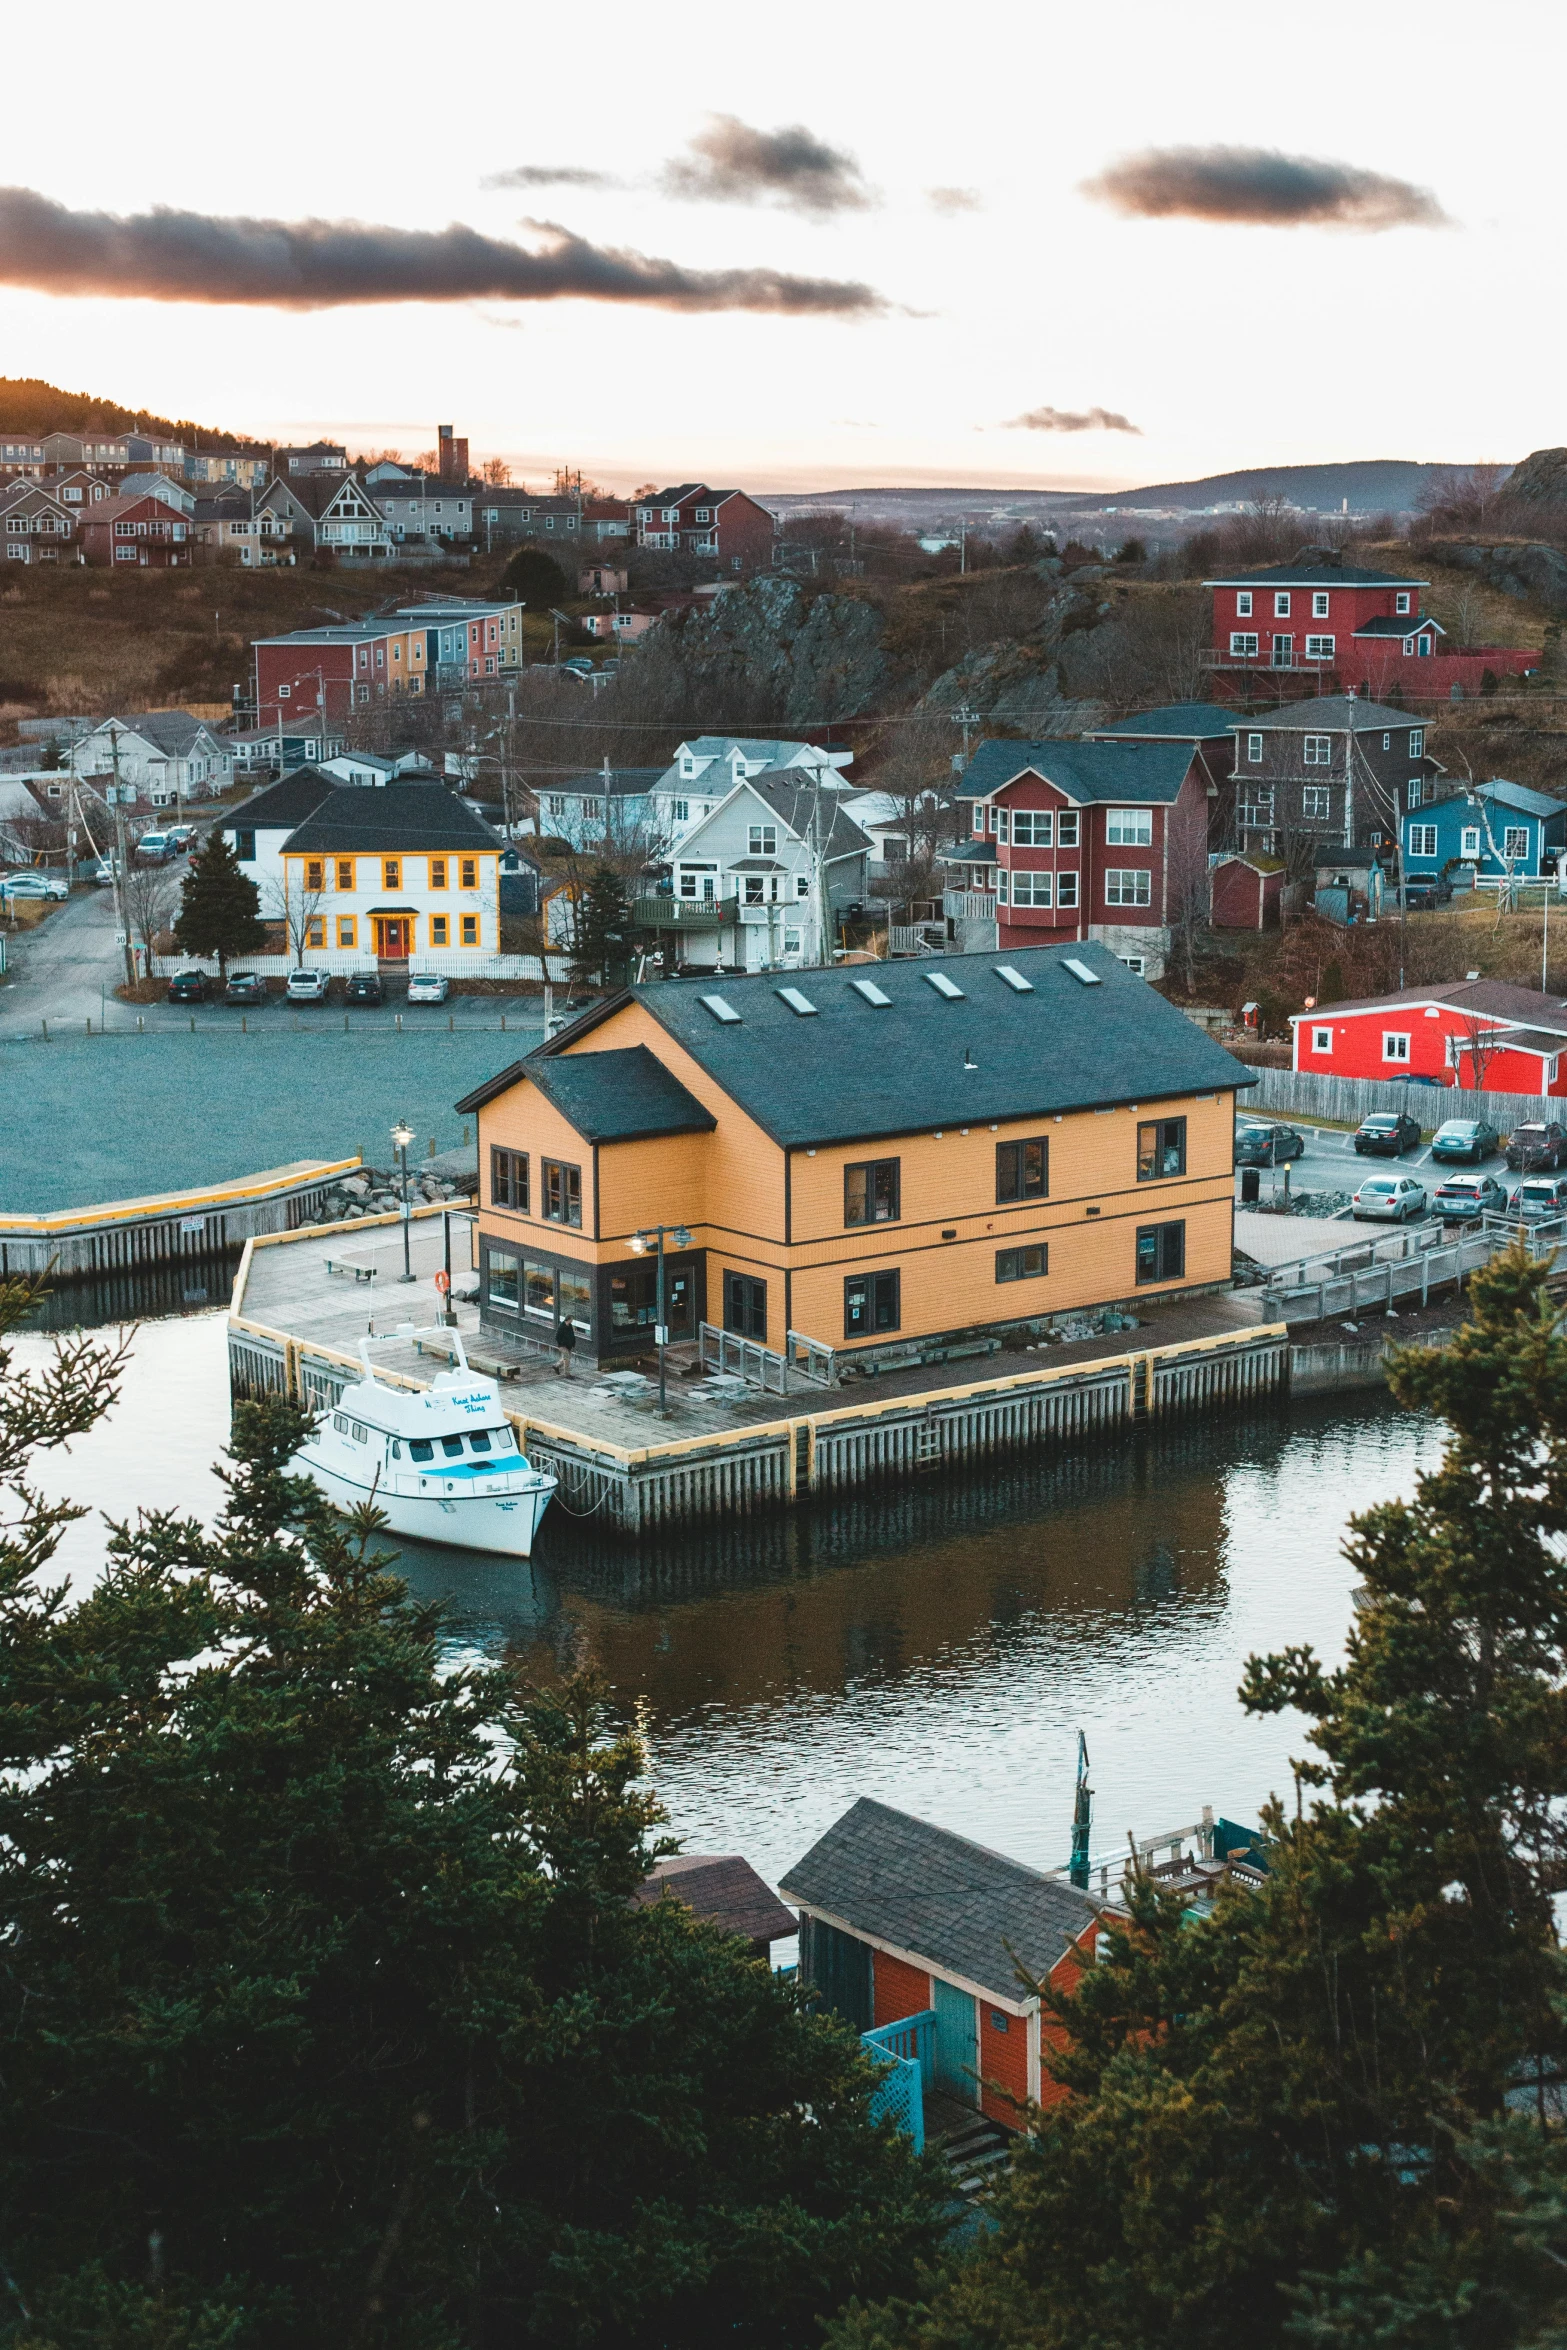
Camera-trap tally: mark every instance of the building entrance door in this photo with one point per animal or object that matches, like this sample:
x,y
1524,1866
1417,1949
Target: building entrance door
x,y
393,937
745,1306
957,2057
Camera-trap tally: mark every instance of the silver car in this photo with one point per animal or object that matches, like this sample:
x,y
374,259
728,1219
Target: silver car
x,y
427,987
1389,1199
307,987
34,885
1539,1197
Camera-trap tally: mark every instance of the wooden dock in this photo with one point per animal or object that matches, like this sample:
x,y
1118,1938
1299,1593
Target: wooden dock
x,y
294,1330
119,1236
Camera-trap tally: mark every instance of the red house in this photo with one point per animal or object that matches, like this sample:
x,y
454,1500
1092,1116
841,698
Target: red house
x,y
701,521
1075,840
898,1918
309,674
139,530
1247,891
1337,621
1477,1035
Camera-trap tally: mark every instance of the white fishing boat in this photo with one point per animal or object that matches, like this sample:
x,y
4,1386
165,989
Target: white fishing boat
x,y
442,1462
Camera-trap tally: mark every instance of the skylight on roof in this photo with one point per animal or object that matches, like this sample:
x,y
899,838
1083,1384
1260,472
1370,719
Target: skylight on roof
x,y
1014,979
797,1001
722,1010
871,992
1080,971
944,986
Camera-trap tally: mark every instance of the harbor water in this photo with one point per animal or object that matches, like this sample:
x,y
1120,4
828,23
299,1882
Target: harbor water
x,y
937,1645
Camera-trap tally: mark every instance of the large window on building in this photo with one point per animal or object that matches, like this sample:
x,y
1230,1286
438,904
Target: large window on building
x,y
1317,750
1023,1264
1022,1170
560,1192
1316,803
1243,643
574,1296
1066,828
1130,828
503,1278
870,1192
1032,828
1161,1252
509,1178
745,1306
1422,840
870,1304
1161,1149
1129,888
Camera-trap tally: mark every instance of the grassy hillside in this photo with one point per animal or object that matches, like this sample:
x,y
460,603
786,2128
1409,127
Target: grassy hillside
x,y
29,405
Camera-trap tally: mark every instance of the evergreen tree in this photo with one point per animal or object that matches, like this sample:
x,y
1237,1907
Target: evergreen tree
x,y
324,2015
220,907
603,933
1310,2117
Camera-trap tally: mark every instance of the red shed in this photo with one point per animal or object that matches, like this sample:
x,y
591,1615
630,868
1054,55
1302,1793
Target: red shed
x,y
1478,1035
1246,891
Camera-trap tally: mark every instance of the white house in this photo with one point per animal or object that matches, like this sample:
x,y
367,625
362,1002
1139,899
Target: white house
x,y
257,830
405,874
369,767
762,882
169,756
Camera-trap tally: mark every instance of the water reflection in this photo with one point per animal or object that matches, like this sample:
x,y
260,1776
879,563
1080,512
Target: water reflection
x,y
936,1644
140,1293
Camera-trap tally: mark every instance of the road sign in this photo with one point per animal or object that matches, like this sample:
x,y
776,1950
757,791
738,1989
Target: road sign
x,y
443,1282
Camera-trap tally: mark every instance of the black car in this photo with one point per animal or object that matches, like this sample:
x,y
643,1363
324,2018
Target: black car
x,y
245,987
189,987
1419,895
364,987
1262,1145
1537,1145
1387,1134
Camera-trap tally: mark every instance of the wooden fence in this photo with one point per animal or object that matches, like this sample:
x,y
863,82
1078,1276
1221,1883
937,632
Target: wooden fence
x,y
1306,1093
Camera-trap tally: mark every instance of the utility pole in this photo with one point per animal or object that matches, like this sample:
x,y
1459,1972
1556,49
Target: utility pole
x,y
967,719
511,720
121,911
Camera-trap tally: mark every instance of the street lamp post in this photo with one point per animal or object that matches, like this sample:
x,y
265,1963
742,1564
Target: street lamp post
x,y
653,1238
402,1136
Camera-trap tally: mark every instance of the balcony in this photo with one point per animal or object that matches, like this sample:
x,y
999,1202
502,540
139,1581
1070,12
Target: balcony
x,y
1213,657
669,913
969,905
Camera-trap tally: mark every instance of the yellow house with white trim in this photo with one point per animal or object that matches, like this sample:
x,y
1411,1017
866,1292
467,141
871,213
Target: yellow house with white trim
x,y
404,873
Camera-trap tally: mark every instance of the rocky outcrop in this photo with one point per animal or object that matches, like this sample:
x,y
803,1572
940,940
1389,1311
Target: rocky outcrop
x,y
774,647
1541,480
1521,568
1014,686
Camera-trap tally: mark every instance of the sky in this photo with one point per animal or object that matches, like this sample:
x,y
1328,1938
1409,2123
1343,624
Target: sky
x,y
1033,245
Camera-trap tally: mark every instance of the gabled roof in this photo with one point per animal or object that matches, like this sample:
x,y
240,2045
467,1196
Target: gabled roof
x,y
171,731
1518,795
619,1097
1257,859
1394,625
797,803
971,1912
1491,999
724,1889
1086,771
403,819
1173,722
117,508
1340,712
1310,571
858,1071
284,804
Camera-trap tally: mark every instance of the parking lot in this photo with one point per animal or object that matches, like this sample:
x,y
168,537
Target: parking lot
x,y
1331,1163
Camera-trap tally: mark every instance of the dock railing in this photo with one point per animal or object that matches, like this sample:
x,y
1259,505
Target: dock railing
x,y
907,2051
1409,1263
742,1358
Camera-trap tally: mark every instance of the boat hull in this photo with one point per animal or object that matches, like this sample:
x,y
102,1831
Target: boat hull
x,y
504,1522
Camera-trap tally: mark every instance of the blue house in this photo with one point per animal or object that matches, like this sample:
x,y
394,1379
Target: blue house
x,y
1499,832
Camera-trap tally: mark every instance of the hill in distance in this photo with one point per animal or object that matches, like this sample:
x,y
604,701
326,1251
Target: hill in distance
x,y
1377,485
30,406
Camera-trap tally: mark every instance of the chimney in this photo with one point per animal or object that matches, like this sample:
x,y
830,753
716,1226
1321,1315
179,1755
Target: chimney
x,y
453,462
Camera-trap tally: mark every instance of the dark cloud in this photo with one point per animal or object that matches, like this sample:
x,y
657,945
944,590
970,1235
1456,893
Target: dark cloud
x,y
166,256
730,163
550,175
952,200
1072,420
1257,186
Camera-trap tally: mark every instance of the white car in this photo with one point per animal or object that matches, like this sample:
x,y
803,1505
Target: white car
x,y
1389,1199
33,885
307,987
104,876
428,987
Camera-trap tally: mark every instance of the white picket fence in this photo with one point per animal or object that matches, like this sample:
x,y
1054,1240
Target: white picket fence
x,y
1307,1093
340,961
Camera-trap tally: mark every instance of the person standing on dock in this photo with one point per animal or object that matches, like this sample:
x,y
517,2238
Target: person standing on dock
x,y
566,1340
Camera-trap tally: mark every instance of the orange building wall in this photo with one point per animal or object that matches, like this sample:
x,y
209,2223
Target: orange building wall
x,y
1065,1975
1003,2057
899,1990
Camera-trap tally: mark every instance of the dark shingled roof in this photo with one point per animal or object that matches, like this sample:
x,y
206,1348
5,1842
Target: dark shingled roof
x,y
615,1097
724,1889
283,805
1086,771
884,1873
858,1071
1396,625
398,818
1340,711
1306,573
1174,722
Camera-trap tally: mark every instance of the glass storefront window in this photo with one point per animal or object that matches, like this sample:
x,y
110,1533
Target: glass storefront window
x,y
576,1298
538,1288
505,1270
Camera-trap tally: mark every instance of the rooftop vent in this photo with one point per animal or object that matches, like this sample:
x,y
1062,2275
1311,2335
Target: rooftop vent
x,y
1078,971
797,1001
871,992
1014,979
722,1010
944,986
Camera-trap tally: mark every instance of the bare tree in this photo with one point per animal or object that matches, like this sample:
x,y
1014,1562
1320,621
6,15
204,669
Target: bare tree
x,y
1188,886
299,910
151,894
1473,1050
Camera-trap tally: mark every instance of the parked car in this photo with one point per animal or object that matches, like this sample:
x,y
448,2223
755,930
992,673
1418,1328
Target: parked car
x,y
180,837
307,987
245,987
428,987
104,874
1465,1138
1387,1134
1542,1143
155,848
1389,1199
1464,1199
1539,1197
34,885
189,987
364,987
1421,895
1267,1146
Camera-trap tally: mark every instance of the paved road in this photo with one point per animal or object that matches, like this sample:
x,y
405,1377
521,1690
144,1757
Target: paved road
x,y
1331,1163
65,970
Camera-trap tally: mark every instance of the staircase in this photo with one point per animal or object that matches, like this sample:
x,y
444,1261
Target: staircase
x,y
977,2156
